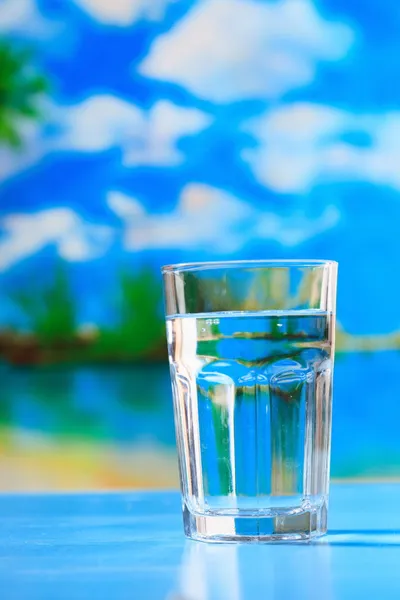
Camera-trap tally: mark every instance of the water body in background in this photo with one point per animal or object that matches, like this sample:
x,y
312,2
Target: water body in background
x,y
112,426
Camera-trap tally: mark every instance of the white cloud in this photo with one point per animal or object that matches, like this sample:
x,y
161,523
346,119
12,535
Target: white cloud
x,y
210,218
125,12
102,122
204,218
297,228
144,137
22,17
125,208
161,129
26,234
98,123
226,50
302,144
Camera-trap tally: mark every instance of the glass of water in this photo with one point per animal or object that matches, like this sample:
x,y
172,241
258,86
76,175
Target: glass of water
x,y
251,348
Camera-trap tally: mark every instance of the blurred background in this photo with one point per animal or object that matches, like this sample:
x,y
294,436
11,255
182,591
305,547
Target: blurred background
x,y
136,133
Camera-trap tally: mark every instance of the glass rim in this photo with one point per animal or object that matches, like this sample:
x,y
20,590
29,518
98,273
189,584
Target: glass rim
x,y
258,263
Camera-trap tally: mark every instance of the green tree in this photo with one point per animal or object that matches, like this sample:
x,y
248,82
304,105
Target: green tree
x,y
51,311
140,330
21,87
141,325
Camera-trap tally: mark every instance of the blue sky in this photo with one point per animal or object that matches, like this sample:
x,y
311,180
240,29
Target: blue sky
x,y
208,129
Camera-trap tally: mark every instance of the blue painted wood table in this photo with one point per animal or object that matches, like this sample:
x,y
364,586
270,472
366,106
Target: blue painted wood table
x,y
131,546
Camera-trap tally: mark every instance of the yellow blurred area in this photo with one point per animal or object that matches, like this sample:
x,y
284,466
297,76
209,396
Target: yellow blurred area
x,y
33,462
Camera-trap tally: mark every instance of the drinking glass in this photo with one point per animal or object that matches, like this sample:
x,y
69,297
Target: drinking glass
x,y
251,348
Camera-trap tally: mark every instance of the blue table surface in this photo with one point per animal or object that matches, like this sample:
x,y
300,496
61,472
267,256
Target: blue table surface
x,y
131,546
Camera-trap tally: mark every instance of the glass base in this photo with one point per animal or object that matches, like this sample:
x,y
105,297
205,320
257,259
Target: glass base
x,y
282,527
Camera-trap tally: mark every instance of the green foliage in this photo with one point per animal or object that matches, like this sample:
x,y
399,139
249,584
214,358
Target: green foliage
x,y
140,331
141,324
51,312
20,89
